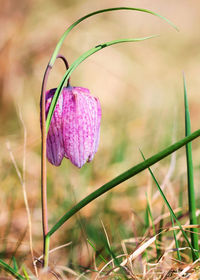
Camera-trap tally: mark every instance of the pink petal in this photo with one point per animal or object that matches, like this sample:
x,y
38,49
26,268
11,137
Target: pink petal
x,y
81,122
55,148
97,122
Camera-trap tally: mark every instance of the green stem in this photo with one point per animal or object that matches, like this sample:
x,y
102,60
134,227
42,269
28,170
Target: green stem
x,y
46,254
123,177
58,46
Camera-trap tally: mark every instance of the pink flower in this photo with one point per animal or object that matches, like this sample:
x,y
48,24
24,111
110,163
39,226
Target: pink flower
x,y
75,126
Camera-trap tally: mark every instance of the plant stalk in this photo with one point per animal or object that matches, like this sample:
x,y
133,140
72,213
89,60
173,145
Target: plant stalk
x,y
43,163
46,248
66,65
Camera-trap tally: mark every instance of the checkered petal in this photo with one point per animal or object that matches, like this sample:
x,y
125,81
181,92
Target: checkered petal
x,y
81,125
55,148
75,126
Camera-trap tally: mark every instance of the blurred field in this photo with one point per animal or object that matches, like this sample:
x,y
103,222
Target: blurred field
x,y
141,91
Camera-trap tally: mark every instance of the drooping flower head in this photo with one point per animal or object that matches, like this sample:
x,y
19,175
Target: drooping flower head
x,y
75,126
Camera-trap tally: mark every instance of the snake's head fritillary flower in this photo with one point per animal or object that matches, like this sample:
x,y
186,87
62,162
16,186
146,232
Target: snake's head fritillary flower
x,y
75,126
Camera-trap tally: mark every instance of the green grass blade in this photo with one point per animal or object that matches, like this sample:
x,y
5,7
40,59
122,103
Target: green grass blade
x,y
115,259
161,222
123,177
95,250
15,266
180,200
76,63
58,46
176,241
146,217
10,270
153,226
25,273
190,177
159,231
170,209
147,225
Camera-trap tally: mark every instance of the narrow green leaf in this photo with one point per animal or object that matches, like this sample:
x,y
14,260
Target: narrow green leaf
x,y
146,217
15,266
160,231
123,177
170,209
180,200
10,270
190,177
116,260
176,241
161,223
25,273
100,255
76,63
153,226
58,46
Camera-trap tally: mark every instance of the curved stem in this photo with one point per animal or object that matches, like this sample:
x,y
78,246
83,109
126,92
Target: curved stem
x,y
66,65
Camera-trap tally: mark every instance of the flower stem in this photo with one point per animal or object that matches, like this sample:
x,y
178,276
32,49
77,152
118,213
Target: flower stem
x,y
46,248
43,161
43,164
66,65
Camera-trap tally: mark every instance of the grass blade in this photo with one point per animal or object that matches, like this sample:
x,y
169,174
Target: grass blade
x,y
58,46
160,231
15,266
153,226
190,177
176,241
76,63
170,209
121,178
95,250
25,273
180,200
10,270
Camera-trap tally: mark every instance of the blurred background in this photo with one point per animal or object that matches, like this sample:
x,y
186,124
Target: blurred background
x,y
140,87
